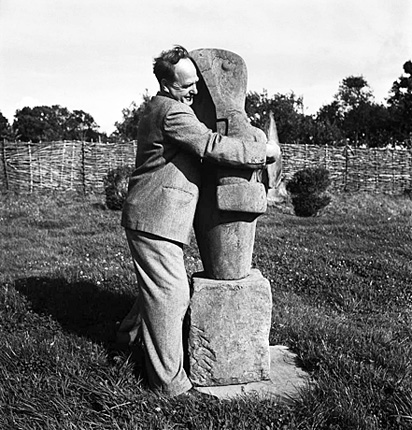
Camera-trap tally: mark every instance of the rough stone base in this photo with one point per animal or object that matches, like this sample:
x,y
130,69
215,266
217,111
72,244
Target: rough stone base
x,y
229,330
287,380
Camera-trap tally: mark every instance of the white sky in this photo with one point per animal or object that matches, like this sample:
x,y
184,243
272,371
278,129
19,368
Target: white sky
x,y
96,55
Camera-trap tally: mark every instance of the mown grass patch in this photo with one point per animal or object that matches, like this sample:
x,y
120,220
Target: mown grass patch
x,y
342,298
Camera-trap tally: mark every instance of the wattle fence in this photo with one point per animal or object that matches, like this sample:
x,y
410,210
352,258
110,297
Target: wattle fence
x,y
82,166
64,166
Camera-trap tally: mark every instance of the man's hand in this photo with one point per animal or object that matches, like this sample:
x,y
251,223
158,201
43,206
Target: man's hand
x,y
272,151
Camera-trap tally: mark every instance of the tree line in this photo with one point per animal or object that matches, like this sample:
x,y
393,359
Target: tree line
x,y
351,117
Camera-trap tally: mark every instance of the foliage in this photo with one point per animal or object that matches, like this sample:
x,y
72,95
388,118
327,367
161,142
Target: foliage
x,y
115,185
362,120
327,132
400,103
81,126
368,123
353,91
307,187
311,180
352,117
52,123
306,205
127,128
5,129
66,278
331,114
292,125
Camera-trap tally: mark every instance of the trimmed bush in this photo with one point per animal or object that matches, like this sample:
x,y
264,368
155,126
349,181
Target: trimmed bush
x,y
116,183
309,205
312,180
307,188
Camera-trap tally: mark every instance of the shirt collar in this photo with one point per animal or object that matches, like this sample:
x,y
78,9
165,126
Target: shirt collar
x,y
164,94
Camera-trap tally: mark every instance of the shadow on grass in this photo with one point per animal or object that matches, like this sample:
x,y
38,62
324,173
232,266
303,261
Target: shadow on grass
x,y
87,310
82,307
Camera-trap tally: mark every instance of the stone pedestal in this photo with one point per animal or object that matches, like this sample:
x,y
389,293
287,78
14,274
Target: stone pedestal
x,y
228,339
287,380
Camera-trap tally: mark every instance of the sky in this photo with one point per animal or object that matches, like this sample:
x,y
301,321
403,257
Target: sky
x,y
96,55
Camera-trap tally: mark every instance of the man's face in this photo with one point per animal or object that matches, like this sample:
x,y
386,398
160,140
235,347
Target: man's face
x,y
183,89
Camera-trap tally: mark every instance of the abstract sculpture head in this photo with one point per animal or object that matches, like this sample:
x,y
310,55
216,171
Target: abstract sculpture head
x,y
225,76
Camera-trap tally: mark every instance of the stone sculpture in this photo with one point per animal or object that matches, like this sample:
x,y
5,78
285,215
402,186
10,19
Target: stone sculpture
x,y
230,199
230,312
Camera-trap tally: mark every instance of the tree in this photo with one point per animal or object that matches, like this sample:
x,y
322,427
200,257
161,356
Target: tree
x,y
329,120
127,128
331,114
352,100
352,92
28,124
5,129
80,125
368,123
353,115
292,125
52,123
400,104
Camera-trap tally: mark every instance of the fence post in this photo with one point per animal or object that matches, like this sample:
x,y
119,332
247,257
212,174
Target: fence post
x,y
83,168
410,170
72,167
30,166
6,176
306,156
375,159
345,176
62,166
393,173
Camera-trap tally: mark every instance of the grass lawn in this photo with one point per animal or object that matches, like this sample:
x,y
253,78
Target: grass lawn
x,y
342,301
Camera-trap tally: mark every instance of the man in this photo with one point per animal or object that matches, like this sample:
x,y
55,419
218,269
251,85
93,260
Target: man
x,y
159,210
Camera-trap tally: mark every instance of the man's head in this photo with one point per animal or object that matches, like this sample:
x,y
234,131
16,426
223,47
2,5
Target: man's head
x,y
176,73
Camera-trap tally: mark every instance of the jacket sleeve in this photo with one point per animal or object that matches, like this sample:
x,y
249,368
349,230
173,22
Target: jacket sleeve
x,y
183,128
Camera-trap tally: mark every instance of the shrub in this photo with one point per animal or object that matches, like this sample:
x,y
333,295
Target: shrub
x,y
116,183
309,205
312,180
307,188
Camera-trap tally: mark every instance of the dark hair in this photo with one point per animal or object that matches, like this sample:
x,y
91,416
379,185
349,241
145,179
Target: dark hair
x,y
163,65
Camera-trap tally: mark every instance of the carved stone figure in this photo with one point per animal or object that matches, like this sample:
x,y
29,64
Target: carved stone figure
x,y
230,311
230,199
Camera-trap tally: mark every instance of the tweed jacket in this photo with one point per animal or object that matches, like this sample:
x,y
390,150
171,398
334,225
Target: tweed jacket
x,y
164,187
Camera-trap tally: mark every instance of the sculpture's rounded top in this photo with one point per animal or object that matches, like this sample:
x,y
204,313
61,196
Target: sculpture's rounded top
x,y
225,75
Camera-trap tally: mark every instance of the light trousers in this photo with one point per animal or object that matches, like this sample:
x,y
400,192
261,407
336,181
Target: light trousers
x,y
163,302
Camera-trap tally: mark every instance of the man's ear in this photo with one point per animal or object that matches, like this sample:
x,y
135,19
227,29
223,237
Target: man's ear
x,y
164,85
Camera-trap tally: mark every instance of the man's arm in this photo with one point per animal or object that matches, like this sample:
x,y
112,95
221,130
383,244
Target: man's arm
x,y
182,126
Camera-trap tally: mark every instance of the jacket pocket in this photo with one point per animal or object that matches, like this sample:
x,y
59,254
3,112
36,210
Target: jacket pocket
x,y
178,195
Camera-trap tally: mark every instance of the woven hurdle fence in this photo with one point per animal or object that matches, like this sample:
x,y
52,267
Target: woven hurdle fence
x,y
82,166
375,170
64,166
